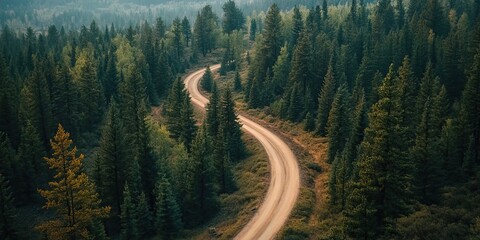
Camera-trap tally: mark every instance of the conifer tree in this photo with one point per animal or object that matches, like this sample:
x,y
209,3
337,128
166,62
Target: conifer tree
x,y
7,157
295,104
35,104
187,30
325,101
237,82
204,184
64,100
168,219
30,167
128,216
212,119
71,194
382,192
187,123
338,124
302,69
144,217
270,45
89,89
253,29
207,80
281,70
8,213
297,26
229,127
469,112
233,18
112,159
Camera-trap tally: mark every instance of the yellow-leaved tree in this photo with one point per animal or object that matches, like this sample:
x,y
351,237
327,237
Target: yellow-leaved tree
x,y
72,195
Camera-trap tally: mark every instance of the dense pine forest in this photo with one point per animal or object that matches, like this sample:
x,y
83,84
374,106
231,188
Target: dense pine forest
x,y
99,139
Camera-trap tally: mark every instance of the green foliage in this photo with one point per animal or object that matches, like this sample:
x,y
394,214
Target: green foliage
x,y
237,82
233,18
325,101
382,192
168,220
112,159
204,30
207,80
8,216
129,228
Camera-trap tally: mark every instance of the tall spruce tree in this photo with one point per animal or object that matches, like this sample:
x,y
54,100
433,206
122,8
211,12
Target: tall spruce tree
x,y
168,219
325,101
129,228
207,80
112,157
338,124
382,192
8,213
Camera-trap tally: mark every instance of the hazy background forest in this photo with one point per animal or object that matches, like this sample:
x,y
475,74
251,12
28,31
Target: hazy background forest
x,y
73,14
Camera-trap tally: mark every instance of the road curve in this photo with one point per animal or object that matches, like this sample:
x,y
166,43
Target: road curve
x,y
284,177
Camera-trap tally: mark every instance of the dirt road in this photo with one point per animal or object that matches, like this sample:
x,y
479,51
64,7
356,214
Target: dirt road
x,y
284,173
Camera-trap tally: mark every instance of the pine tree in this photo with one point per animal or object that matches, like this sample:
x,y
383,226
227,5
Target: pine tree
x,y
71,194
281,69
302,69
233,18
31,169
253,29
89,89
297,27
237,82
338,124
212,119
269,47
144,217
7,157
325,101
35,104
128,216
207,80
112,159
64,100
187,123
203,30
168,219
8,216
187,30
229,127
469,112
296,104
382,192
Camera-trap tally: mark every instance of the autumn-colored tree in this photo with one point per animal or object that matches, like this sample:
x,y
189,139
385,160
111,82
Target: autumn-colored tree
x,y
72,195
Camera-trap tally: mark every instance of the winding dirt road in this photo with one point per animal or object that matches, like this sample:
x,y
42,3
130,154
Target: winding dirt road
x,y
284,177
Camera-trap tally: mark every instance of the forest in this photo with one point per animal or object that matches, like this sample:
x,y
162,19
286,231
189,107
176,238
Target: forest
x,y
99,113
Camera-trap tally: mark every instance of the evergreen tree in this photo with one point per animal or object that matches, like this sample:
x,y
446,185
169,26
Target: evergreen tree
x,y
281,69
187,30
297,26
187,123
7,157
469,114
338,124
203,30
128,216
229,127
295,105
213,111
269,47
233,18
144,217
325,101
253,29
72,194
201,202
64,98
168,219
237,82
112,159
31,170
89,89
302,69
207,80
8,216
35,104
382,192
